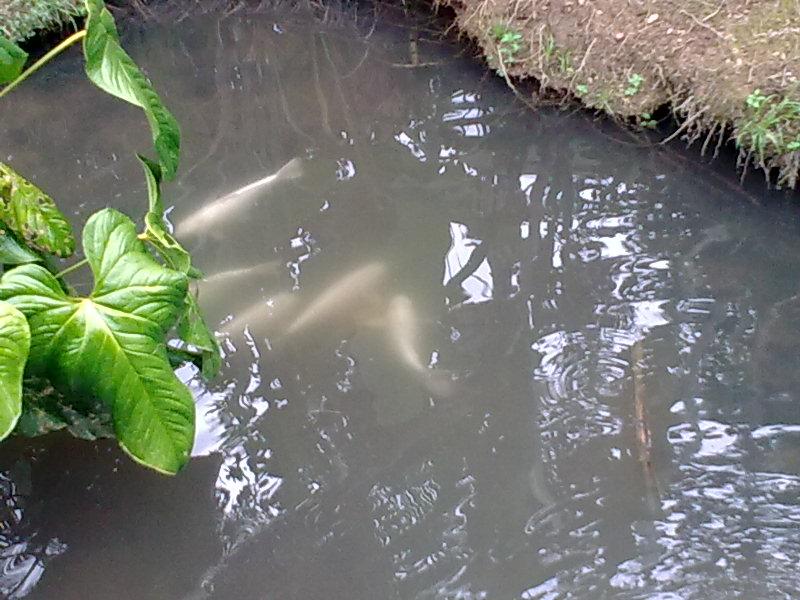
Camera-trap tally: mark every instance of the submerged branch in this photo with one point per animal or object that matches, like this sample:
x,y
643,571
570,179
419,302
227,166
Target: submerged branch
x,y
644,441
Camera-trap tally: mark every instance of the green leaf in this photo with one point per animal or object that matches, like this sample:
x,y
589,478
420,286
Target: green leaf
x,y
15,341
193,329
155,233
13,252
111,346
44,410
152,172
33,216
110,68
12,60
195,273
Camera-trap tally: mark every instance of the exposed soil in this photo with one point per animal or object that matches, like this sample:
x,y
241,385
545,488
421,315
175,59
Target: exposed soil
x,y
728,69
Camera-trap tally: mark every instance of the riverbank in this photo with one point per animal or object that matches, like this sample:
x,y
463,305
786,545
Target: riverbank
x,y
724,72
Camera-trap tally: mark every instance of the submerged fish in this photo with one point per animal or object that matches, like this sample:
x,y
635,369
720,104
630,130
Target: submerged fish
x,y
219,289
403,331
270,267
224,208
358,290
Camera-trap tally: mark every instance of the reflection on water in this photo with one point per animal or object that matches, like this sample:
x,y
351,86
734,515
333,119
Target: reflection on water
x,y
580,293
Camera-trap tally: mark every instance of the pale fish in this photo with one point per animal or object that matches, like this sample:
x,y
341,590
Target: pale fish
x,y
404,335
270,267
219,288
231,204
357,291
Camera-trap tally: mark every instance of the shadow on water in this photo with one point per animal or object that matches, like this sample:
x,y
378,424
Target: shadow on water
x,y
617,326
58,490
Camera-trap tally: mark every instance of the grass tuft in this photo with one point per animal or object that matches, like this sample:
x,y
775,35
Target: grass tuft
x,y
771,127
22,19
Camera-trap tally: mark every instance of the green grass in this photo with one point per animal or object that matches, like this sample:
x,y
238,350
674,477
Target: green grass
x,y
771,126
564,58
548,47
558,58
22,19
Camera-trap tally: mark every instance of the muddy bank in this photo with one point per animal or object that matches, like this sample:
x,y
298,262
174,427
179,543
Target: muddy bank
x,y
726,69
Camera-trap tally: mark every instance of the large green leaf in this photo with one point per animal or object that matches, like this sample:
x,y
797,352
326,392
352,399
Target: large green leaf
x,y
111,345
12,252
193,329
15,340
110,68
33,216
12,60
155,233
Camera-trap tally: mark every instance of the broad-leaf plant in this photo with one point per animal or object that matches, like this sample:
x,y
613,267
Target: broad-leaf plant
x,y
99,365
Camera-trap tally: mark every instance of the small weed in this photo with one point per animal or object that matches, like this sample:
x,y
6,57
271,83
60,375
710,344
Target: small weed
x,y
647,120
635,82
582,89
756,99
509,42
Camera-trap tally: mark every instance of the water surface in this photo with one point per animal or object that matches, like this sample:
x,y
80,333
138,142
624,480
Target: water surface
x,y
579,289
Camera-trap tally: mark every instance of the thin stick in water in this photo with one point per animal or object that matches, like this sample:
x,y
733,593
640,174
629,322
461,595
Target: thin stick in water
x,y
644,438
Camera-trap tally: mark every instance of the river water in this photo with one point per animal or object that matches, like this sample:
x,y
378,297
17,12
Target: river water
x,y
553,361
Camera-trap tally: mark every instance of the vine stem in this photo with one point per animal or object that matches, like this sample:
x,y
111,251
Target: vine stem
x,y
75,37
72,268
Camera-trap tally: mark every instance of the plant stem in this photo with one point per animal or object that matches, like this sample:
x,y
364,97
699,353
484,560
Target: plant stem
x,y
75,37
72,268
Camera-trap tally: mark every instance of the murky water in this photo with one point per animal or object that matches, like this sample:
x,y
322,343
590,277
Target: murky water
x,y
573,293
